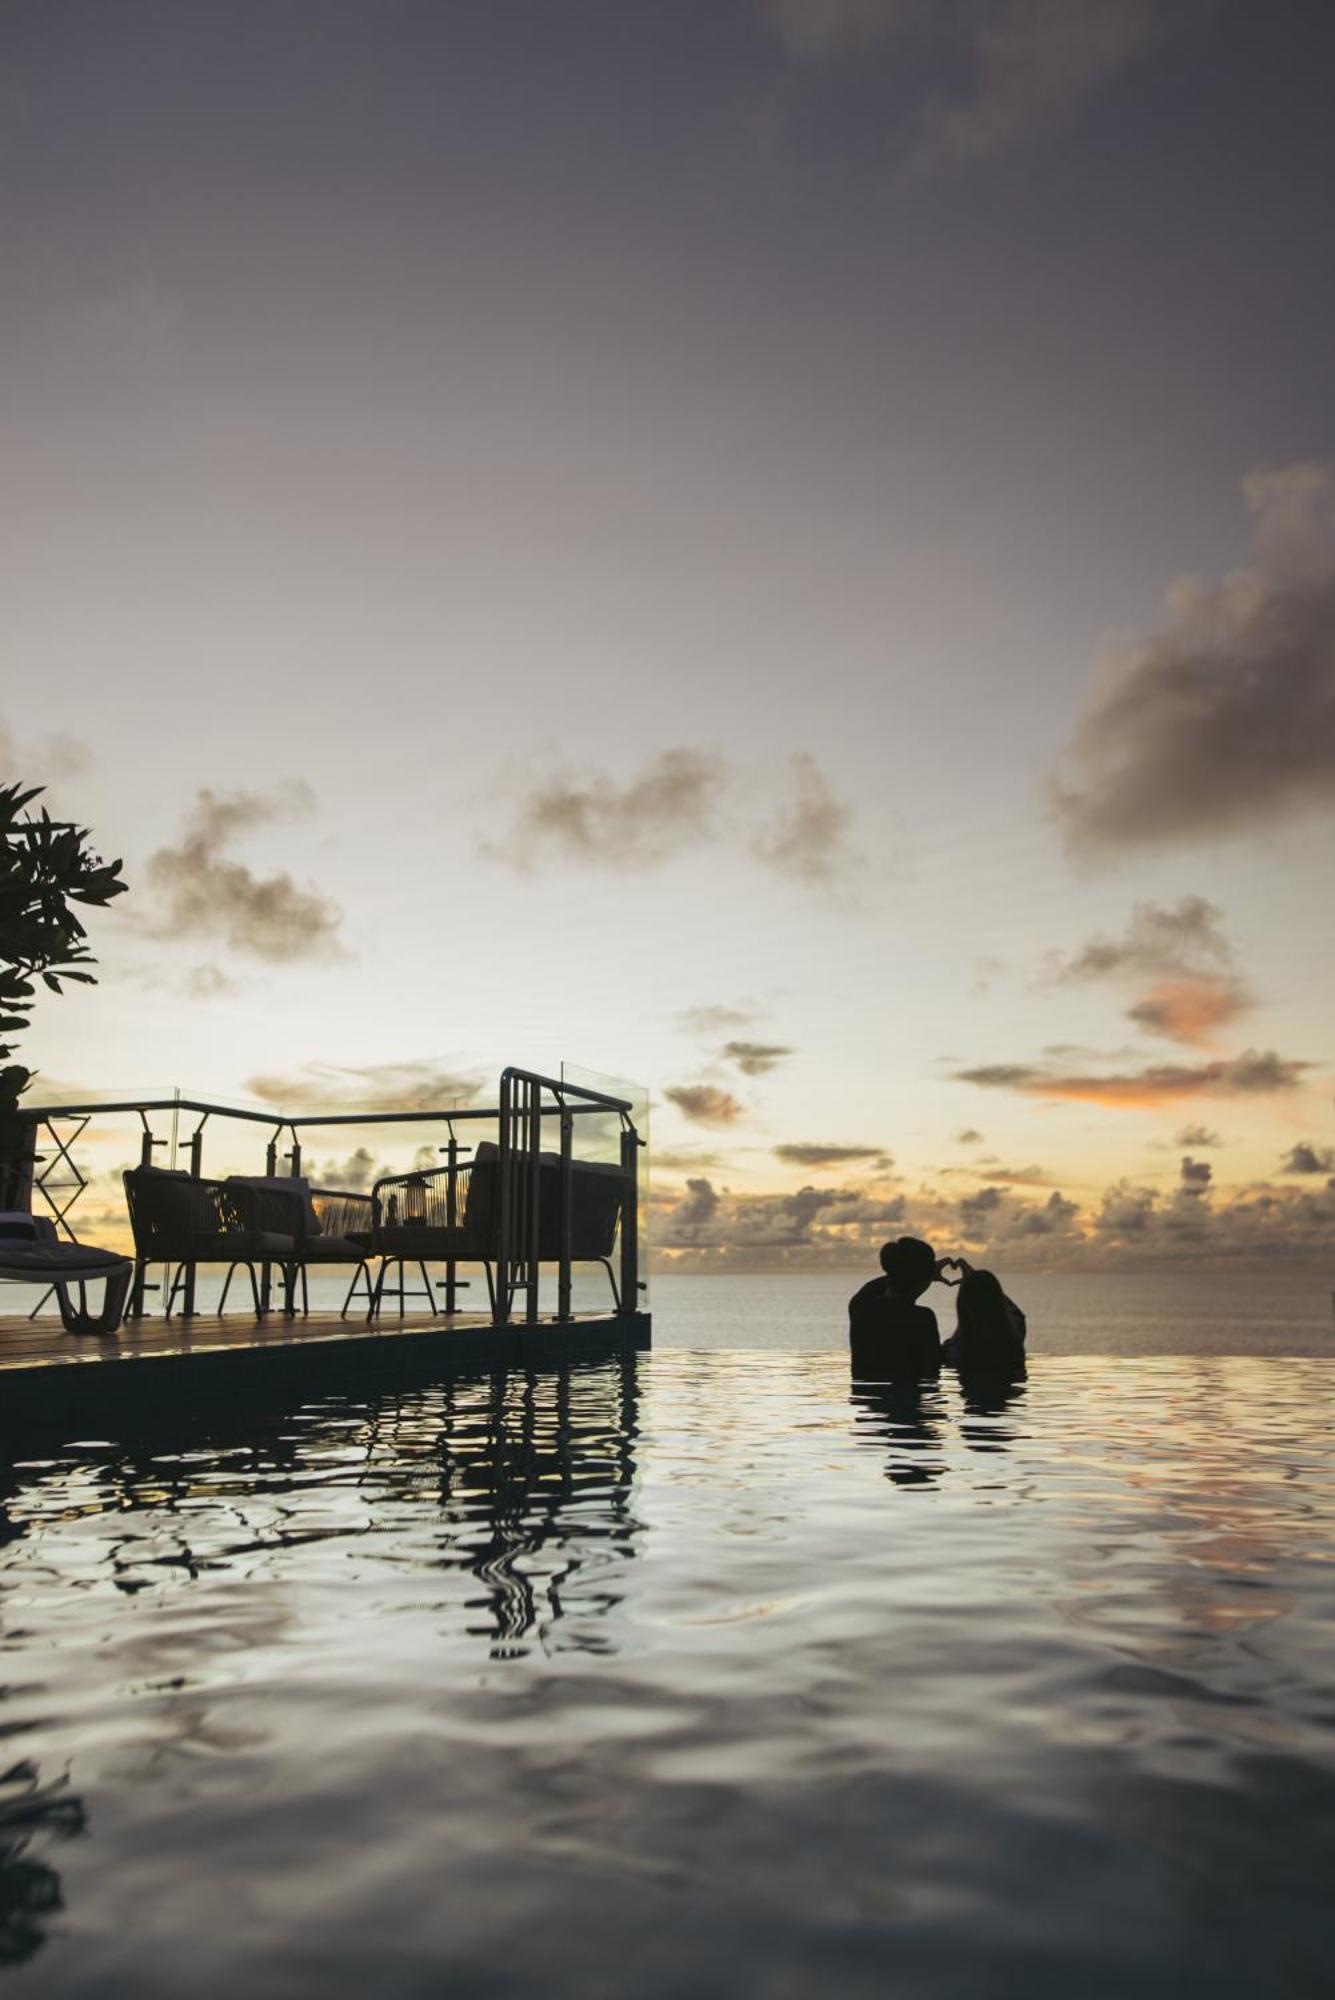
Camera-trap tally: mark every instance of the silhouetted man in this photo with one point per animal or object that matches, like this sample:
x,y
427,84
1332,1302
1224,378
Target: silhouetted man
x,y
892,1337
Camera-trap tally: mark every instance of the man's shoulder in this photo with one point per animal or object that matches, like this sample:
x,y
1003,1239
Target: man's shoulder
x,y
873,1289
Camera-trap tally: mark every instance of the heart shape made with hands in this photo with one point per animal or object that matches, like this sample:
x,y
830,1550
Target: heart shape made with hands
x,y
945,1264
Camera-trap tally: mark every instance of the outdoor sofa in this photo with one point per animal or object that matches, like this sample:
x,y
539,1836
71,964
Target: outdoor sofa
x,y
247,1222
452,1215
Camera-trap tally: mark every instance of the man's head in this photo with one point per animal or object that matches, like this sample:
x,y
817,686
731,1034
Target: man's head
x,y
909,1265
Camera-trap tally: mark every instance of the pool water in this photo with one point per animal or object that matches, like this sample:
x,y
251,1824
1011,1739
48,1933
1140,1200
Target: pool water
x,y
689,1673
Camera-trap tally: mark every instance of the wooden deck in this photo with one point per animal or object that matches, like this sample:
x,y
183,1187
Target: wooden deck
x,y
50,1377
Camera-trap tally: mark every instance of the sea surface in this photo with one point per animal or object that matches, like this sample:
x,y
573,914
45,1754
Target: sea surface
x,y
698,1672
1169,1312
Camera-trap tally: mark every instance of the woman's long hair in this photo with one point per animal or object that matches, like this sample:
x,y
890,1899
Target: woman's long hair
x,y
985,1334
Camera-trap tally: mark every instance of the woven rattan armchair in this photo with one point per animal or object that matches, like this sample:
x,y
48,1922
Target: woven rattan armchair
x,y
247,1222
177,1219
326,1226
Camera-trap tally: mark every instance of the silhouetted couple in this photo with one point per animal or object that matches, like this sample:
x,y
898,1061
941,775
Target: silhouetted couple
x,y
894,1339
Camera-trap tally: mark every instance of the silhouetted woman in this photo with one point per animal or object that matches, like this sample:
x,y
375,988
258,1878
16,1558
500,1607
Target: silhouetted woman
x,y
989,1328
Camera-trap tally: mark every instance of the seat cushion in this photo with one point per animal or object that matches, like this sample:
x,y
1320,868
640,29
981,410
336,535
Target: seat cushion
x,y
265,1243
58,1260
282,1184
408,1240
335,1250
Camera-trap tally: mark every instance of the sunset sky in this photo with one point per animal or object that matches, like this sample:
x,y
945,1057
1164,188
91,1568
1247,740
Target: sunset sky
x,y
780,548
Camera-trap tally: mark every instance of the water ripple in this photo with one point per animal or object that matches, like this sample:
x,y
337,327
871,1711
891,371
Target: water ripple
x,y
693,1672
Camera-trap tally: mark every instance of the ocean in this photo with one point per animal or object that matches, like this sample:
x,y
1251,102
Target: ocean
x,y
1068,1312
696,1672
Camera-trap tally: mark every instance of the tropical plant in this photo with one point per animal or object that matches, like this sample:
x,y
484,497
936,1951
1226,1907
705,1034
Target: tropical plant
x,y
46,869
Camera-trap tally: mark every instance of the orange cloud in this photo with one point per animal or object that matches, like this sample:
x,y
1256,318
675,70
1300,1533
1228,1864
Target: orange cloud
x,y
1189,1010
1256,1073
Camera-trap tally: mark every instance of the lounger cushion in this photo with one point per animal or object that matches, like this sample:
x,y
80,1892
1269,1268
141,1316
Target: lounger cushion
x,y
17,1223
58,1260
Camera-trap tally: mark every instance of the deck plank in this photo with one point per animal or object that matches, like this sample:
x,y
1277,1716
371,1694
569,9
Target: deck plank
x,y
31,1344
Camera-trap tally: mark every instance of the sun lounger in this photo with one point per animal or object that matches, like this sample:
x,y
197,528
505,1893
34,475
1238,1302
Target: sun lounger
x,y
32,1253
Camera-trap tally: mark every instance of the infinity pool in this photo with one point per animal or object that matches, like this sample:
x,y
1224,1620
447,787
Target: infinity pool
x,y
690,1674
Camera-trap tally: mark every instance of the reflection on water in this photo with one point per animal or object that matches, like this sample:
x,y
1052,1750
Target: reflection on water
x,y
29,1888
908,1418
685,1672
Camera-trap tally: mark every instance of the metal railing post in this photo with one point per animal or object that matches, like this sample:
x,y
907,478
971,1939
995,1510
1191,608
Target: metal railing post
x,y
196,1162
630,1221
139,1283
566,1214
451,1219
534,1200
503,1209
271,1169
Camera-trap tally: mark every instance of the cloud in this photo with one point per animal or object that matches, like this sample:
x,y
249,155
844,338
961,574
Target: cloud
x,y
1255,1073
201,892
807,839
975,1209
986,76
672,804
707,1228
1254,1226
1195,1173
355,1174
1011,1176
400,1086
1190,1010
743,1226
1196,1135
684,1159
210,982
675,802
1000,1076
968,1137
41,760
696,1209
711,1020
1223,720
756,1058
1184,951
705,1103
993,1217
1307,1159
816,1155
1181,941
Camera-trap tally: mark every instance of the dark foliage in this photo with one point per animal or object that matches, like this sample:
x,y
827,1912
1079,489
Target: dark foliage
x,y
46,870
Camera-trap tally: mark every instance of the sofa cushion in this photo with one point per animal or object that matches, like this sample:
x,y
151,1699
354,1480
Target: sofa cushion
x,y
289,1184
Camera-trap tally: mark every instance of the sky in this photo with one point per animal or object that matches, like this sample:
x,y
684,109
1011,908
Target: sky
x,y
784,549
